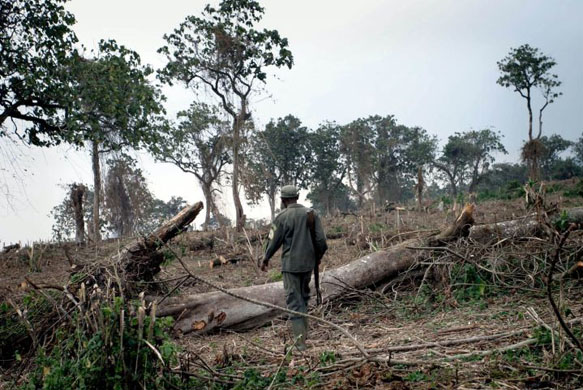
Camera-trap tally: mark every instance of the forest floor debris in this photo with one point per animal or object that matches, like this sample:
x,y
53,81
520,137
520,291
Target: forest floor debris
x,y
440,325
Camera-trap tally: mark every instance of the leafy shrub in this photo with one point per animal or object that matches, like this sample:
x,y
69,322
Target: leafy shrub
x,y
106,347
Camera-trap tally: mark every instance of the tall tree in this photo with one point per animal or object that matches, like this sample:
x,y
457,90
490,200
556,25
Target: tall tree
x,y
223,52
35,46
114,107
553,146
356,145
128,201
278,155
525,68
467,156
482,144
198,145
454,162
328,170
578,150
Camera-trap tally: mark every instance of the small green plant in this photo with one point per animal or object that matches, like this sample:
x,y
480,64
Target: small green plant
x,y
377,227
169,257
542,336
327,357
416,376
275,276
470,285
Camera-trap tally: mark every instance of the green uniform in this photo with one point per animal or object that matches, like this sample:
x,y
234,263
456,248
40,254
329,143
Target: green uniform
x,y
298,259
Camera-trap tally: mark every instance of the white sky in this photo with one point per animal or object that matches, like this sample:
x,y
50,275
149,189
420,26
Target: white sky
x,y
430,63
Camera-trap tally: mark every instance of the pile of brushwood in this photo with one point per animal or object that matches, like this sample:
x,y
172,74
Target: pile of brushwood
x,y
101,330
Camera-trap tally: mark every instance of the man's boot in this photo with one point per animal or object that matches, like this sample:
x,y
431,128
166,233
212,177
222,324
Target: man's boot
x,y
299,330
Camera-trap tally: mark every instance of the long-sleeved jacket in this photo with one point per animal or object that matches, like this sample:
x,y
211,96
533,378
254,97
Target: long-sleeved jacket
x,y
290,230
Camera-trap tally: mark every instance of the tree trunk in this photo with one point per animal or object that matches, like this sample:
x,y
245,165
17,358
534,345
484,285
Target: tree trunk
x,y
237,126
271,198
420,186
208,200
204,312
141,259
96,191
77,193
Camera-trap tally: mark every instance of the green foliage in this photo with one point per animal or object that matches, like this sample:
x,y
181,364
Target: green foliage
x,y
377,227
114,105
275,276
253,380
562,223
576,191
113,356
416,376
542,336
511,190
524,68
328,357
467,156
37,44
469,284
222,44
278,155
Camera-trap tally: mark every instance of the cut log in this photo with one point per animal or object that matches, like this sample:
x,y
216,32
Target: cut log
x,y
141,259
527,226
205,312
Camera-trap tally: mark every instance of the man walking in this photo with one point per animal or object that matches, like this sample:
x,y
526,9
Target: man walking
x,y
301,253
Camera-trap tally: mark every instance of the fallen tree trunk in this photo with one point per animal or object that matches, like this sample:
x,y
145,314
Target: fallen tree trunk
x,y
528,226
141,259
205,312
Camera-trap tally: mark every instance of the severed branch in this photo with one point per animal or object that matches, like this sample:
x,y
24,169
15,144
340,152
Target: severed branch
x,y
554,261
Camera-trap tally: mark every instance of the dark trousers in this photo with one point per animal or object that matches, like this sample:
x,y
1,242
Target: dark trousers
x,y
297,291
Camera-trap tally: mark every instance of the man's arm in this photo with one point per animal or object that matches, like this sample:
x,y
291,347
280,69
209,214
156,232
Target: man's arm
x,y
275,241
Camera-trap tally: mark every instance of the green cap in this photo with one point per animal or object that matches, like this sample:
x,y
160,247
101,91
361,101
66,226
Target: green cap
x,y
289,191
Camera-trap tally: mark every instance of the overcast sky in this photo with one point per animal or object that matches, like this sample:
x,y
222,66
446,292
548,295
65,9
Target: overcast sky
x,y
429,63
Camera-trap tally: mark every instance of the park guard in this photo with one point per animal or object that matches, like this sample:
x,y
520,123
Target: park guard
x,y
300,232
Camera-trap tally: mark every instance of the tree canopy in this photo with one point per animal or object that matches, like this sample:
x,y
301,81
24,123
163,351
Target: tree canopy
x,y
36,48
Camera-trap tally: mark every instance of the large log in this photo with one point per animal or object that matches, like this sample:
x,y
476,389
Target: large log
x,y
205,312
528,226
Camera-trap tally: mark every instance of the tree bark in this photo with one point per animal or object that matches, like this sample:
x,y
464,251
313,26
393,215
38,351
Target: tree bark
x,y
237,126
208,200
419,188
77,193
96,191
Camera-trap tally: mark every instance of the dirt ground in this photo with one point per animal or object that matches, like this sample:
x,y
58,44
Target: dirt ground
x,y
383,320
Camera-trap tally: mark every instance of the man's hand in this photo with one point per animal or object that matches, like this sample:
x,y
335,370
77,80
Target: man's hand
x,y
264,267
